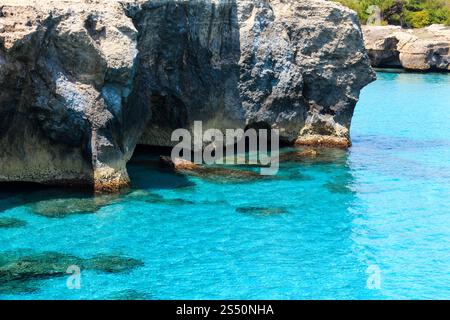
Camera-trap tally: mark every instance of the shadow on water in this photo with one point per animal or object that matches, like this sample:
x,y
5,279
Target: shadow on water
x,y
14,194
145,171
52,202
57,202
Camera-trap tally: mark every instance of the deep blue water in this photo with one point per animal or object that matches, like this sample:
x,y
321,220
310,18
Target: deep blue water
x,y
382,205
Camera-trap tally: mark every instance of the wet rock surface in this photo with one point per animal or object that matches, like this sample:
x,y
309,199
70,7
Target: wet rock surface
x,y
212,173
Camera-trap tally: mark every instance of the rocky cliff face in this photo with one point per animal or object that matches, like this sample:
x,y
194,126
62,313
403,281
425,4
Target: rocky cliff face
x,y
426,49
66,71
83,80
293,65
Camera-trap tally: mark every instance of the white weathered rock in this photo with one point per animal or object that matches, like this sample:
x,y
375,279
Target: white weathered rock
x,y
413,49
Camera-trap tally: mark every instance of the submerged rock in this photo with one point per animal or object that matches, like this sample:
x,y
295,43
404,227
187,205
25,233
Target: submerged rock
x,y
18,287
60,208
296,156
11,223
129,295
319,156
143,194
413,49
39,266
112,264
213,173
21,273
83,81
172,202
150,197
226,175
265,211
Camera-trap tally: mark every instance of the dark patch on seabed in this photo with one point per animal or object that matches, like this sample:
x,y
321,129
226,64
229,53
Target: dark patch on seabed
x,y
262,211
6,222
129,295
50,201
62,207
20,273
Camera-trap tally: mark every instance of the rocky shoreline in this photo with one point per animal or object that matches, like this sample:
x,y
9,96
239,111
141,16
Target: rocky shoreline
x,y
426,49
84,81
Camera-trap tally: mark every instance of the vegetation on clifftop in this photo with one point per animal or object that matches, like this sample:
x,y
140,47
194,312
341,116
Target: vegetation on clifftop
x,y
407,13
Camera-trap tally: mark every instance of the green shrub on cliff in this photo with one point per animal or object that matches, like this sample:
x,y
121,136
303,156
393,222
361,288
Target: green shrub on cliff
x,y
419,19
407,13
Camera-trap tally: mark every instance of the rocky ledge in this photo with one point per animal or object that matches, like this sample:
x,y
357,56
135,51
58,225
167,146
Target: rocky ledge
x,y
84,81
426,49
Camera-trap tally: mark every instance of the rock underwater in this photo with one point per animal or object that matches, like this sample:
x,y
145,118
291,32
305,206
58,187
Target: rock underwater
x,y
84,81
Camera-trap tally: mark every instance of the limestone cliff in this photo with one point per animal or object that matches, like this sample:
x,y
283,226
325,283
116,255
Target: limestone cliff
x,y
66,69
293,65
83,80
426,49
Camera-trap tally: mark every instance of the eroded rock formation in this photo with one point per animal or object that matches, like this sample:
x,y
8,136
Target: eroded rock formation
x,y
426,49
66,71
84,80
293,65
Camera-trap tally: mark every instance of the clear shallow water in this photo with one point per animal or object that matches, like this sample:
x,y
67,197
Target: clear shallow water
x,y
384,203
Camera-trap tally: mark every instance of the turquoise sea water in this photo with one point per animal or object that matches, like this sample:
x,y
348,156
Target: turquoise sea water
x,y
320,229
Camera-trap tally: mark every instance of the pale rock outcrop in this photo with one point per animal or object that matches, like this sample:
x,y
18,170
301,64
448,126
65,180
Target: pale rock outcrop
x,y
83,79
426,49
